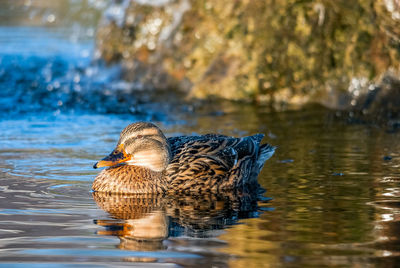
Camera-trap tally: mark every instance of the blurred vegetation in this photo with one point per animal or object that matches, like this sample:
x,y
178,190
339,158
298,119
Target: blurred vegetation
x,y
282,52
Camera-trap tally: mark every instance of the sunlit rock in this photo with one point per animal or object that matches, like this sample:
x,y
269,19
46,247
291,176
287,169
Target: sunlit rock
x,y
284,52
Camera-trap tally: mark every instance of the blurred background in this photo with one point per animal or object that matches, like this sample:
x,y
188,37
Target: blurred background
x,y
111,56
319,78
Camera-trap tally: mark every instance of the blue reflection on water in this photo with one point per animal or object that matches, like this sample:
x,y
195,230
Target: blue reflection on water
x,y
57,147
59,212
111,253
52,264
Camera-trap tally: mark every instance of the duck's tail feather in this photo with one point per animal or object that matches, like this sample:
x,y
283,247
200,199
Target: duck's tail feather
x,y
258,137
265,153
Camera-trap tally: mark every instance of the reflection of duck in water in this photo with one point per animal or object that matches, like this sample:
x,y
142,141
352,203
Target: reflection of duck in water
x,y
142,222
144,161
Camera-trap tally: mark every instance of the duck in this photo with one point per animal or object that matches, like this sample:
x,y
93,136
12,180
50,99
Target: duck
x,y
146,162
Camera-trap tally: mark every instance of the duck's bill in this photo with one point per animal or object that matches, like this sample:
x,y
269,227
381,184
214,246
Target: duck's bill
x,y
116,157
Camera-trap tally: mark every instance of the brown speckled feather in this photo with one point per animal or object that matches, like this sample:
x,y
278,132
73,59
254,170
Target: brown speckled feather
x,y
129,179
211,163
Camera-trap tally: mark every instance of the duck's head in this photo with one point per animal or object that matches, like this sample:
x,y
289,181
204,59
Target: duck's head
x,y
140,144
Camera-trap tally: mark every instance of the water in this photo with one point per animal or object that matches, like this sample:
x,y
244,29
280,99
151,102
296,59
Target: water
x,y
332,187
332,198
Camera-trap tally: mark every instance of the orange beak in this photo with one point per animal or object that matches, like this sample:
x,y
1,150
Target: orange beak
x,y
116,157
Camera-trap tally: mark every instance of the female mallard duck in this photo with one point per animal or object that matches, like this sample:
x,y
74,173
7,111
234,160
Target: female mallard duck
x,y
145,161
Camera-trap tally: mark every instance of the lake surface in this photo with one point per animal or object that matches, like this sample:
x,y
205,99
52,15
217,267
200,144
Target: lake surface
x,y
332,192
332,187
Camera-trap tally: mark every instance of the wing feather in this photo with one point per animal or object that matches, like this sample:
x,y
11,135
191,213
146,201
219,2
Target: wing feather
x,y
213,161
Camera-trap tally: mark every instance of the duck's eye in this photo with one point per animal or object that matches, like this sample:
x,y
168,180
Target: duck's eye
x,y
139,136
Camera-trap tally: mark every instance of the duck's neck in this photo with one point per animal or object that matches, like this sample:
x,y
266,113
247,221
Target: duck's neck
x,y
129,179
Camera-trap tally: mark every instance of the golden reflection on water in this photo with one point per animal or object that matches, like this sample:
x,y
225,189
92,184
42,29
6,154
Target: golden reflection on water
x,y
247,243
387,217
